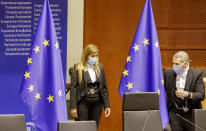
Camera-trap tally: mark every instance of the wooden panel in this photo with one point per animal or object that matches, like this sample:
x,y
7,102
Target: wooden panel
x,y
187,39
182,38
187,12
160,12
197,57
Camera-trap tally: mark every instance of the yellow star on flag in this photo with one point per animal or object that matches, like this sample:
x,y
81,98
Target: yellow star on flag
x,y
27,75
37,96
162,81
57,45
129,85
146,42
29,60
36,48
125,72
60,92
31,88
50,98
156,44
46,43
158,91
136,47
129,58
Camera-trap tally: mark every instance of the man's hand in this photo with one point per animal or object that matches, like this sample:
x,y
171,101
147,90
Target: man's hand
x,y
74,113
181,93
107,112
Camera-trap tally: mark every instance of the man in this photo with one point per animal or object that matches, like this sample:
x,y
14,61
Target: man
x,y
185,90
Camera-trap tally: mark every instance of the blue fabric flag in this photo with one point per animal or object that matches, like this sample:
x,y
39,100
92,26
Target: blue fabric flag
x,y
143,69
43,87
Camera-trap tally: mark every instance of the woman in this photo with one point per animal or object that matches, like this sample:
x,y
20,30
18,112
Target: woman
x,y
88,87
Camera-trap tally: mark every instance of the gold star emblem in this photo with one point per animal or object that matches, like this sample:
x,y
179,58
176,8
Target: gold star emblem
x,y
60,92
162,81
29,60
46,43
146,42
36,49
125,72
50,98
31,88
129,58
156,44
57,45
136,47
158,91
27,75
37,96
129,85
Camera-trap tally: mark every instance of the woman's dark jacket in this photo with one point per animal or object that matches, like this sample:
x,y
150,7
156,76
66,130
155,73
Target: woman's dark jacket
x,y
78,91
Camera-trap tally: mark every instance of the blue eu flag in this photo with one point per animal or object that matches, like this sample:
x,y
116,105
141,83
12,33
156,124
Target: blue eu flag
x,y
43,88
143,69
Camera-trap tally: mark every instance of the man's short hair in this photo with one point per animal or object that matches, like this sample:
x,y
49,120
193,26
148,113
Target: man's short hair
x,y
182,55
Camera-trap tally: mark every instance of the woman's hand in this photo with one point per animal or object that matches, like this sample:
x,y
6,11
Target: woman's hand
x,y
107,112
74,113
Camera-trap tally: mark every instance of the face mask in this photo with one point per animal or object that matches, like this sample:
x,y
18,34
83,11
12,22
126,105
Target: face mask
x,y
92,60
177,69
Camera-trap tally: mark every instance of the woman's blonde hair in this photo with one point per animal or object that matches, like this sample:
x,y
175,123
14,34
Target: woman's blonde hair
x,y
82,66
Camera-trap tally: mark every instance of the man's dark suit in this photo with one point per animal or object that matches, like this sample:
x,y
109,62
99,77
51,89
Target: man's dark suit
x,y
194,83
78,92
